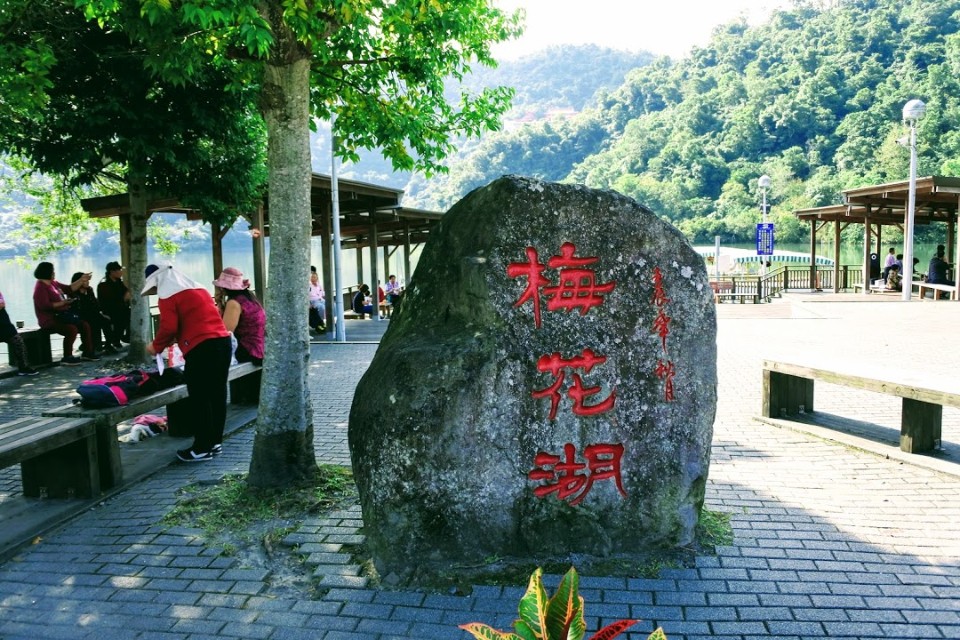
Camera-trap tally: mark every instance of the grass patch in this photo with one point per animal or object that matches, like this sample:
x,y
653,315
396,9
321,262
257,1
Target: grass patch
x,y
714,529
231,506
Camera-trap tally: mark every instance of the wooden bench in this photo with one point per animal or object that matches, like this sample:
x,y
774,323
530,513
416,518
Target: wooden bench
x,y
37,342
923,287
244,381
788,391
58,456
731,295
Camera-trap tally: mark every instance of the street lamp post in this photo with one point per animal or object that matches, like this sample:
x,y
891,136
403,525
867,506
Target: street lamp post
x,y
764,183
912,111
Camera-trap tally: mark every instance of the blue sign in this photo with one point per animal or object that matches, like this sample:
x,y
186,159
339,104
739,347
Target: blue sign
x,y
765,239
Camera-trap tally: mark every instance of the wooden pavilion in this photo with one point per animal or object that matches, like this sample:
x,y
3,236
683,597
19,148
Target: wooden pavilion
x,y
876,206
370,216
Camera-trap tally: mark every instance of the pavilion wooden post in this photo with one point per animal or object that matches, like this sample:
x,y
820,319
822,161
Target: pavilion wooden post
x,y
836,256
813,254
406,254
216,248
326,263
951,219
374,272
866,255
259,255
879,250
359,259
124,240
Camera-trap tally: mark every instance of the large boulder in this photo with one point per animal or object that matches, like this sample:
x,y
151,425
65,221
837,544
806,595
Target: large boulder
x,y
547,388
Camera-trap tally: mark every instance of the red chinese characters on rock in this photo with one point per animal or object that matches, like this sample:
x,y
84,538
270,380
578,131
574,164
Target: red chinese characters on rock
x,y
665,369
555,365
571,479
576,287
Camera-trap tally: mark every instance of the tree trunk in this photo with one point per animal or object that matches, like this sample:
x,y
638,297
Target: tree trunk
x,y
139,307
283,452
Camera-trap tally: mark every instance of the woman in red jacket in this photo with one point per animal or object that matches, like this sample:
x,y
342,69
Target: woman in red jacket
x,y
189,317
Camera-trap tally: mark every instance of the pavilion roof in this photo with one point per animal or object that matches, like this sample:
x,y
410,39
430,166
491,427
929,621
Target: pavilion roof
x,y
937,200
361,206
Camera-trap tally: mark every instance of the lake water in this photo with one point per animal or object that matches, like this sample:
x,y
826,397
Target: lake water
x,y
850,254
17,281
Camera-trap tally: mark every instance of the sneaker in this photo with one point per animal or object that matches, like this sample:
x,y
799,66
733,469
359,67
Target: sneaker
x,y
119,347
189,455
27,371
90,357
216,449
70,361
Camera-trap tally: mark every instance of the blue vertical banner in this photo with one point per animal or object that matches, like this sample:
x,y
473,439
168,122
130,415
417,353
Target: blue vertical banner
x,y
765,239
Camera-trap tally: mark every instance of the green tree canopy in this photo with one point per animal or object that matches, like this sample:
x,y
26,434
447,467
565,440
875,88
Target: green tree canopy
x,y
379,67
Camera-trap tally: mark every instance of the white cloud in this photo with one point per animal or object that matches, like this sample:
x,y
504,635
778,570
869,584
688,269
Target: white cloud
x,y
666,27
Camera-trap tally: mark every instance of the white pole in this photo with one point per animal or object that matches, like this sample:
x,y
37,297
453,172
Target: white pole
x,y
912,111
907,280
341,333
716,256
763,259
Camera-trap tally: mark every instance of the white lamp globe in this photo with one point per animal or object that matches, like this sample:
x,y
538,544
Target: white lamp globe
x,y
914,110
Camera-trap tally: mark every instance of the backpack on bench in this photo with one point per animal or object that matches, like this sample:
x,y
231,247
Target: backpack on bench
x,y
116,390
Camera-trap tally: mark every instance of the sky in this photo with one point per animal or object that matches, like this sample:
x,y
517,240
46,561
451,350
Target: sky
x,y
665,27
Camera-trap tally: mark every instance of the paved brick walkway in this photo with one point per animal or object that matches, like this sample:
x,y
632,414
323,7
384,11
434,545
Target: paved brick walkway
x,y
830,541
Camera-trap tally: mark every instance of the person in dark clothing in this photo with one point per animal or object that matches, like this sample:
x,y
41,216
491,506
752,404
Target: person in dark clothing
x,y
87,307
114,297
360,301
874,267
937,269
15,343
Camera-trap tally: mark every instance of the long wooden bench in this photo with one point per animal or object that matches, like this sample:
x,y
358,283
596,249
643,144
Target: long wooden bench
x,y
244,380
923,287
58,456
740,297
788,391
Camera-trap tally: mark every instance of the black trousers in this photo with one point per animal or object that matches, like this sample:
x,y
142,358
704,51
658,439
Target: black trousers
x,y
205,372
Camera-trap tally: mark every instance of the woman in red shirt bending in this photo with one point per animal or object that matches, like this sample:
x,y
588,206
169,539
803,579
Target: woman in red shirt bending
x,y
189,317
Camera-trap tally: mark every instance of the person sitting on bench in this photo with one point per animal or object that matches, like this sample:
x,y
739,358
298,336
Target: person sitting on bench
x,y
243,315
937,269
18,348
55,314
893,278
362,302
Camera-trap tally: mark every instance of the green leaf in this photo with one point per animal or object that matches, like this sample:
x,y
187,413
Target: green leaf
x,y
565,609
524,631
533,606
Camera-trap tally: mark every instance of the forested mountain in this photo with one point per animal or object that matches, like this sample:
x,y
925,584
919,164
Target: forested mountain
x,y
558,82
812,98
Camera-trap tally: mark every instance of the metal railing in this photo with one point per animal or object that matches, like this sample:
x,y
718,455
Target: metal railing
x,y
762,288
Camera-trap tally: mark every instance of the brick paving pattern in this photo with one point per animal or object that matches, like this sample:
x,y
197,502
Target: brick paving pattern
x,y
830,541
